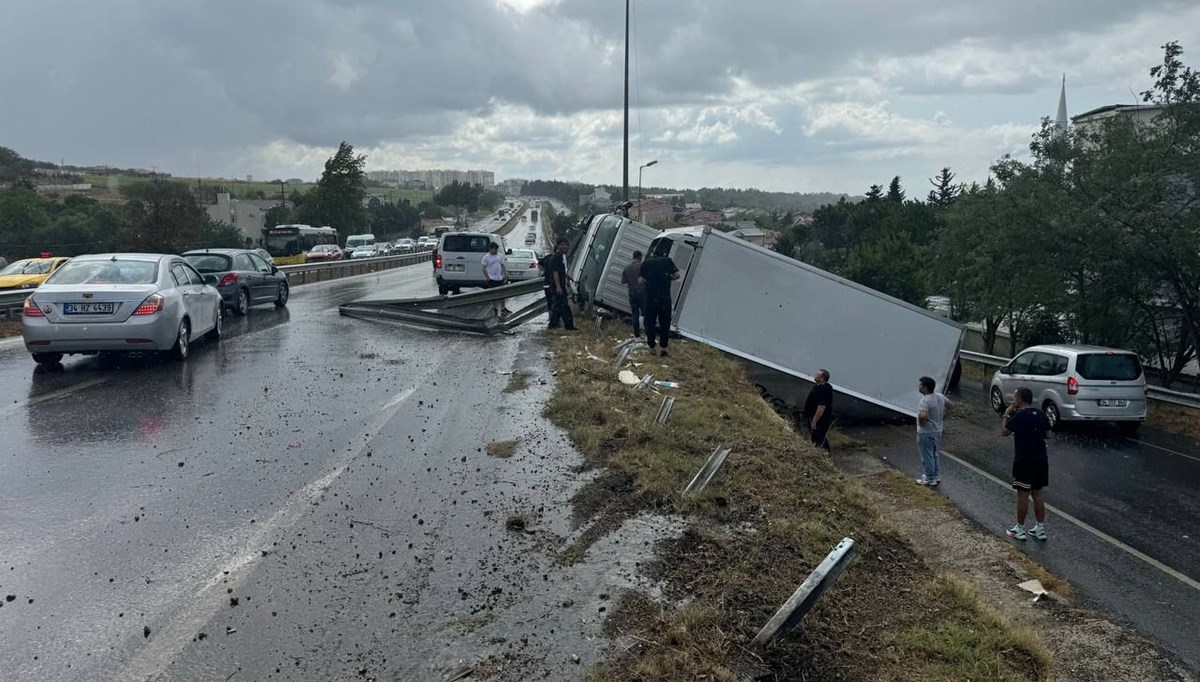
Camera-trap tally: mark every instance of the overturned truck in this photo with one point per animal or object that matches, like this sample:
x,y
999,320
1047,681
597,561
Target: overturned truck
x,y
783,318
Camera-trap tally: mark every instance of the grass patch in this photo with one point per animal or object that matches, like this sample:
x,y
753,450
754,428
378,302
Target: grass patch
x,y
841,441
898,486
1173,418
975,370
971,642
10,328
502,448
772,513
1049,581
517,381
289,260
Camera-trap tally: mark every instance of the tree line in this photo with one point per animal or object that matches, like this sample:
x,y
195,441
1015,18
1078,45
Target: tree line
x,y
1093,239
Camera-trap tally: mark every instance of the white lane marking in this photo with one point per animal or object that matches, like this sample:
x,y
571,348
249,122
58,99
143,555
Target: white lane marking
x,y
1167,450
1089,528
56,394
173,636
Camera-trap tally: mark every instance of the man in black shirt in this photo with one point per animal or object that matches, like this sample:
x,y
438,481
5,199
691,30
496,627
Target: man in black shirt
x,y
554,284
631,277
818,409
657,275
1031,469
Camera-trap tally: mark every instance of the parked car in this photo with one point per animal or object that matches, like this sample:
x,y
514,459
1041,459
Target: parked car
x,y
28,273
1076,383
365,251
457,260
121,302
324,252
243,277
522,265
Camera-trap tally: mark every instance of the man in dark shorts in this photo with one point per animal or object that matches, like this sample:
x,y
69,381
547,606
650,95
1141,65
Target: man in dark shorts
x,y
1031,470
818,409
657,274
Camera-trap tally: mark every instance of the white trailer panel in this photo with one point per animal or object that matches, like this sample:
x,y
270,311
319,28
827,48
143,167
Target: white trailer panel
x,y
793,318
604,252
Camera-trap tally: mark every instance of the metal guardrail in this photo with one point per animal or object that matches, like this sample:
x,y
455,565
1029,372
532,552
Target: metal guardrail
x,y
1164,395
12,301
470,312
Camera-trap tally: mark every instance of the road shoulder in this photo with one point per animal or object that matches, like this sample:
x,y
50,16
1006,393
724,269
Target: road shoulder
x,y
1084,645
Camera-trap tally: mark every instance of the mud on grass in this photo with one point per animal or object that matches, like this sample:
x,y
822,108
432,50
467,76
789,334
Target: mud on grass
x,y
769,517
10,328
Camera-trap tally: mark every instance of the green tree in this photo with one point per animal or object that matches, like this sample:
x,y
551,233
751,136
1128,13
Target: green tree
x,y
944,192
337,198
895,193
22,216
164,217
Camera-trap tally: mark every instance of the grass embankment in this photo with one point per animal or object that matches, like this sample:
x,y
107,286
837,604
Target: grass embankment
x,y
770,516
10,328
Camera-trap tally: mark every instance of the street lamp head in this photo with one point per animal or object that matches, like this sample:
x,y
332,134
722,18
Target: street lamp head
x,y
652,163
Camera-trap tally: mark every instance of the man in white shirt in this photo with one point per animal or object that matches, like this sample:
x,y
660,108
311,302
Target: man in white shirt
x,y
931,414
495,271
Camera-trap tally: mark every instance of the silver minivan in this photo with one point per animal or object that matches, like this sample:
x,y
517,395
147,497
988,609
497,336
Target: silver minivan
x,y
1076,383
457,260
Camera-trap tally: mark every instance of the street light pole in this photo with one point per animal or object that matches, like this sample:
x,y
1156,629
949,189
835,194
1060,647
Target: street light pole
x,y
625,158
645,165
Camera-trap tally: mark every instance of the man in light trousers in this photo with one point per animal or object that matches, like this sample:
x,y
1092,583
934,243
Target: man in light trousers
x,y
931,414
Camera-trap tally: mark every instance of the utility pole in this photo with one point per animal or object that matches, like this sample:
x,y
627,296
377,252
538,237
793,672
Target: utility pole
x,y
625,160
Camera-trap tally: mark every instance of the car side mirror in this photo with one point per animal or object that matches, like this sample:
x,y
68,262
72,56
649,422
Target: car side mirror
x,y
1007,369
508,252
211,279
274,270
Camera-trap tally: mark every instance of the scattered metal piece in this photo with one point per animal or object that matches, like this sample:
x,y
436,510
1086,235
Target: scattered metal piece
x,y
460,673
707,472
664,410
645,381
598,330
805,596
622,356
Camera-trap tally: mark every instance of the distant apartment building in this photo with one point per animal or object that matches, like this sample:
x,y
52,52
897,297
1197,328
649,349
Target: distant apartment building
x,y
652,212
432,179
247,215
512,186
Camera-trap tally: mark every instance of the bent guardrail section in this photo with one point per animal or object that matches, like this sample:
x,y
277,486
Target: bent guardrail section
x,y
471,312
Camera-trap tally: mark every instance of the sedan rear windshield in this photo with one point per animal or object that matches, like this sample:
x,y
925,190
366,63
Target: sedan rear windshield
x,y
119,271
209,262
1109,367
522,253
27,267
460,243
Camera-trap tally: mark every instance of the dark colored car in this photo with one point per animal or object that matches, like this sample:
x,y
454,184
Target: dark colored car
x,y
324,252
242,276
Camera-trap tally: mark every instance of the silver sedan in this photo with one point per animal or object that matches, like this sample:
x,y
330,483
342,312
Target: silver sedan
x,y
121,302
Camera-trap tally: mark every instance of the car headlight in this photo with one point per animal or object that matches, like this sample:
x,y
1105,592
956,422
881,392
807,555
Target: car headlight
x,y
29,286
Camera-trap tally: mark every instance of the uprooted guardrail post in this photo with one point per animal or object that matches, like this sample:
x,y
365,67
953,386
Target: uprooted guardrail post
x,y
805,596
707,472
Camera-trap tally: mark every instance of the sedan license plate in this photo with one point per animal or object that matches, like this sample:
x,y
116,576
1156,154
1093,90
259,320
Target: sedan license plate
x,y
454,268
1114,403
88,308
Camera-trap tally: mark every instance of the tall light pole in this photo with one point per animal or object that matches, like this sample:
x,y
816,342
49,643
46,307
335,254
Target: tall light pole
x,y
645,165
625,164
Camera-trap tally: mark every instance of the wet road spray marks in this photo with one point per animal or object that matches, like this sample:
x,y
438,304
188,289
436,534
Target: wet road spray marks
x,y
61,393
173,637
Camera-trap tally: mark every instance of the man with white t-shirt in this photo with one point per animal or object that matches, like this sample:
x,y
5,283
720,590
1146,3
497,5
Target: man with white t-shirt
x,y
495,271
931,414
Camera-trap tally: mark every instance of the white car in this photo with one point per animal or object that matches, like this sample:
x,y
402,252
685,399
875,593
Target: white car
x,y
121,303
522,265
406,245
368,251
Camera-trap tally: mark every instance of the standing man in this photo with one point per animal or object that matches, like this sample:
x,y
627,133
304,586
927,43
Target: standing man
x,y
555,285
931,414
818,409
495,272
631,277
1031,469
657,273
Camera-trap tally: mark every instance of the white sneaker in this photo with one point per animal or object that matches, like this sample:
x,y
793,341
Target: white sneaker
x,y
926,481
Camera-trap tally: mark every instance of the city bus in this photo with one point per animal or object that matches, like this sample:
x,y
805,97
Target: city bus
x,y
292,240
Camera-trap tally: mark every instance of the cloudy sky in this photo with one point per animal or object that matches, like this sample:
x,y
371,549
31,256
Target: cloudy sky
x,y
795,95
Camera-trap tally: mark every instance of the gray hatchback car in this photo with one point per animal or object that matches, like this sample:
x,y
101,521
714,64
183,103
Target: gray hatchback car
x,y
1076,383
242,276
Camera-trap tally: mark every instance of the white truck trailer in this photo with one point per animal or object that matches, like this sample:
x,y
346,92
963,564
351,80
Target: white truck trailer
x,y
602,253
785,319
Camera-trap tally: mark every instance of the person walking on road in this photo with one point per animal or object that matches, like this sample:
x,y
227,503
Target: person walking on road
x,y
931,414
495,272
818,409
555,286
1028,428
657,273
631,277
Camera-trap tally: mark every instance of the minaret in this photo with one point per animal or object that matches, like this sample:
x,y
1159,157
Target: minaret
x,y
1060,121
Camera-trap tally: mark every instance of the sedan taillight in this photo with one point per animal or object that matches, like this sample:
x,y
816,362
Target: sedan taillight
x,y
230,278
1072,386
153,304
31,310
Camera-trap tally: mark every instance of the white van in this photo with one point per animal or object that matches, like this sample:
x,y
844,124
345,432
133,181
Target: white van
x,y
356,240
457,259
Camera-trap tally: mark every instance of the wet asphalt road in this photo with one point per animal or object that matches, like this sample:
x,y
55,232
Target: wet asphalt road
x,y
1125,497
309,499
